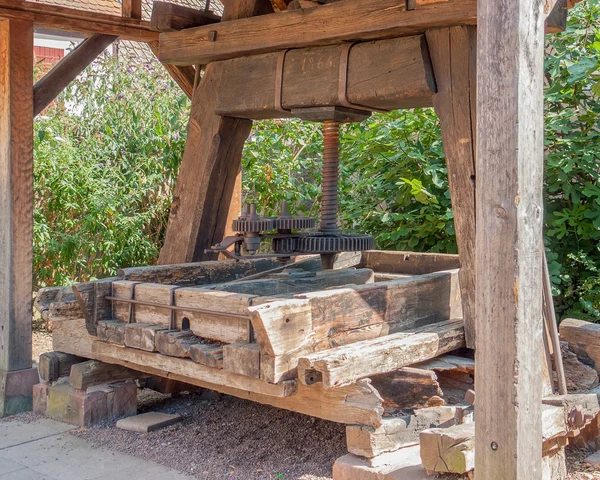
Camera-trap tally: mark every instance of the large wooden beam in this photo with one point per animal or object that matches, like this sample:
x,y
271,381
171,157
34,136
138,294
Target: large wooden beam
x,y
509,228
80,21
210,166
453,54
65,71
16,215
170,17
337,22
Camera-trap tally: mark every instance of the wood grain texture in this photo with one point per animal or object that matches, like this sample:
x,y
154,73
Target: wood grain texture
x,y
67,69
170,17
74,20
584,340
354,405
344,365
16,193
377,74
131,8
210,166
93,372
337,22
53,365
453,53
509,228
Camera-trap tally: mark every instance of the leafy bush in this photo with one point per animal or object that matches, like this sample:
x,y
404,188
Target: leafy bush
x,y
104,170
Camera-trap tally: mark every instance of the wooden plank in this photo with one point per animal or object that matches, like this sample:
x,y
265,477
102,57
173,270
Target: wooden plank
x,y
311,322
189,368
67,69
399,432
453,53
283,284
355,405
93,372
170,17
584,340
376,78
510,150
111,331
347,364
91,299
53,365
412,263
142,336
175,343
224,320
69,335
449,450
16,193
207,354
242,358
74,20
333,23
199,273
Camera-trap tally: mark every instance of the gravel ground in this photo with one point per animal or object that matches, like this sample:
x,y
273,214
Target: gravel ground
x,y
225,438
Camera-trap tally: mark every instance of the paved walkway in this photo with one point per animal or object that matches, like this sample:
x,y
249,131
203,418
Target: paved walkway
x,y
43,450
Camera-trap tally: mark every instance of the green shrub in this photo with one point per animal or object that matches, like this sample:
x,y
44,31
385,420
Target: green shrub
x,y
104,170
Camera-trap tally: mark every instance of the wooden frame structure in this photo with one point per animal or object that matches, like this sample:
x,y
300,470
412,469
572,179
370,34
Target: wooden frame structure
x,y
492,130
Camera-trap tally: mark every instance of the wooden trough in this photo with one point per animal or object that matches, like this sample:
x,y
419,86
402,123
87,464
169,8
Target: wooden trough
x,y
331,344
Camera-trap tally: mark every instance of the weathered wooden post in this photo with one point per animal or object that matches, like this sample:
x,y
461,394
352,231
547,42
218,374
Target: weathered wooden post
x,y
509,223
16,215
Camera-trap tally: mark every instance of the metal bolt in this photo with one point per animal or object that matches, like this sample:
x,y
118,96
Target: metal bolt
x,y
494,446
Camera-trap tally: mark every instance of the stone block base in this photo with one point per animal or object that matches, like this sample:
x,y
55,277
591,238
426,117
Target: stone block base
x,y
16,391
85,407
405,464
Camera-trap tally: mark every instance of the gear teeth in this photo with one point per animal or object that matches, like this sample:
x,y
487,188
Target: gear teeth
x,y
323,244
285,245
249,226
295,223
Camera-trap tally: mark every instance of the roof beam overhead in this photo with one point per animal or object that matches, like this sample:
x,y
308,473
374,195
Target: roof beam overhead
x,y
327,24
80,21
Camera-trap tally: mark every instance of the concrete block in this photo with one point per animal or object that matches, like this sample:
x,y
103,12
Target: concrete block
x,y
16,391
148,422
40,397
86,408
404,464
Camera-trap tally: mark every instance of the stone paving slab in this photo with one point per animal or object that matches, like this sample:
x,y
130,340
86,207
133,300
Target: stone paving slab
x,y
43,450
147,422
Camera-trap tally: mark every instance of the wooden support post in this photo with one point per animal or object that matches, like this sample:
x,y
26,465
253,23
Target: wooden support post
x,y
509,227
132,8
453,54
65,71
16,216
210,166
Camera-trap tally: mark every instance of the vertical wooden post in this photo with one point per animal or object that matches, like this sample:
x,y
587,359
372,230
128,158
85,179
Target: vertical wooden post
x,y
16,216
210,165
509,227
453,54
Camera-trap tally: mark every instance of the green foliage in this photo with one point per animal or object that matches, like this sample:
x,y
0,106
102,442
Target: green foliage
x,y
573,149
104,169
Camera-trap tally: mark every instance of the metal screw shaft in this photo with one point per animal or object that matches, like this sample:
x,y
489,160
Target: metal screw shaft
x,y
331,161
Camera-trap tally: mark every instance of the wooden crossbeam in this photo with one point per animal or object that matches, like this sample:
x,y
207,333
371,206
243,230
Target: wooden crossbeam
x,y
80,21
328,24
170,17
65,71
